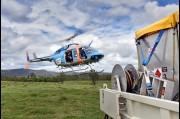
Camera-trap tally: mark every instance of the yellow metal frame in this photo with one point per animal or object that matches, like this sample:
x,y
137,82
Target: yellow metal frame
x,y
168,22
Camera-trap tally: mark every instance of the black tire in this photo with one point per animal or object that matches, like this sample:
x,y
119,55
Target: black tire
x,y
176,97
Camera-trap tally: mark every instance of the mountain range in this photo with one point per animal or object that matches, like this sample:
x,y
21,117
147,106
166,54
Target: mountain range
x,y
26,72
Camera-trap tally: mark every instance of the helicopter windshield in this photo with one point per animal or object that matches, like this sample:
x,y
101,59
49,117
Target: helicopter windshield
x,y
58,51
89,50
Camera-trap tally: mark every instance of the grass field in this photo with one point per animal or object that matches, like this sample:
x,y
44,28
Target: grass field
x,y
45,100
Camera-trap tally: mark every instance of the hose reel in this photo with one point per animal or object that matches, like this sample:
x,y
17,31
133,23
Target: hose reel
x,y
124,80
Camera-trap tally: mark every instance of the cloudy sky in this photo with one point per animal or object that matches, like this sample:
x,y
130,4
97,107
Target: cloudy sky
x,y
36,25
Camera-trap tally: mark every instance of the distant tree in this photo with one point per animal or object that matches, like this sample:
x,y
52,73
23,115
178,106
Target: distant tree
x,y
61,77
94,77
33,75
107,77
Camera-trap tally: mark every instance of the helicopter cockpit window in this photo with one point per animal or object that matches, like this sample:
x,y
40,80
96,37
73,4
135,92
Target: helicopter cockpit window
x,y
89,50
58,51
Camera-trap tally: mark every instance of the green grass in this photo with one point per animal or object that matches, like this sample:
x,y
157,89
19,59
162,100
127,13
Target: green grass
x,y
45,100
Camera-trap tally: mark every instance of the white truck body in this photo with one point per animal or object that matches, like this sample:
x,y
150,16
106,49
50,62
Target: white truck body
x,y
123,105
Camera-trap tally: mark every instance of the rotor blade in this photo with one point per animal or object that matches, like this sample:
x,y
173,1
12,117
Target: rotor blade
x,y
76,34
68,39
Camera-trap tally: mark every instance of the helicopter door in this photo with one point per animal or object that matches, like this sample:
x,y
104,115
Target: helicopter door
x,y
68,55
63,60
82,53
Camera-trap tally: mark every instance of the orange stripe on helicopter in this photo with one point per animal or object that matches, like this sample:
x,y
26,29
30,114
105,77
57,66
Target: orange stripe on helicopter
x,y
78,56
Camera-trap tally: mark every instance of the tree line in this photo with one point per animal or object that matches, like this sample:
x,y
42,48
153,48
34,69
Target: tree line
x,y
59,78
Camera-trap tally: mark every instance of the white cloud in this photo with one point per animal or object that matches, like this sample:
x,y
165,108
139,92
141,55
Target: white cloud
x,y
46,12
14,9
115,3
119,11
152,12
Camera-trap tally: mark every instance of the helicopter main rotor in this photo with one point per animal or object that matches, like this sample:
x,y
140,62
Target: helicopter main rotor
x,y
70,38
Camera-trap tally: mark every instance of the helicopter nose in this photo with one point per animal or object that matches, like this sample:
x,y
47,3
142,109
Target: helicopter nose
x,y
97,57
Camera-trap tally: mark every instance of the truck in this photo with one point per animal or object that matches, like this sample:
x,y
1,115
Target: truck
x,y
150,91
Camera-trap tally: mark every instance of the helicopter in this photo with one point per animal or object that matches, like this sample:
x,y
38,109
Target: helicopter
x,y
66,57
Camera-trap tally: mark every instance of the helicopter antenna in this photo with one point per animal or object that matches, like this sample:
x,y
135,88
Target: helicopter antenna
x,y
90,43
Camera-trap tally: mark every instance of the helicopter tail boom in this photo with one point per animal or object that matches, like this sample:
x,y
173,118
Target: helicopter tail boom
x,y
38,59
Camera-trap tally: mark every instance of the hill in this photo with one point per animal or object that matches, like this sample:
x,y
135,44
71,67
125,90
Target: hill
x,y
24,72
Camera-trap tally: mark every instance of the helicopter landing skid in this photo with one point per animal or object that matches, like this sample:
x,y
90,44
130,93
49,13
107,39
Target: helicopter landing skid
x,y
79,69
74,70
93,70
